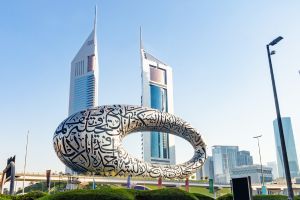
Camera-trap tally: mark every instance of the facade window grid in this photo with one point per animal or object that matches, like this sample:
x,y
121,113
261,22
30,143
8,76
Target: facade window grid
x,y
158,71
79,68
84,98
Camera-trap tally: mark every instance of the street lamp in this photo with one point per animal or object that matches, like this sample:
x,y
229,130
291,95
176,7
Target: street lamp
x,y
25,163
282,141
263,187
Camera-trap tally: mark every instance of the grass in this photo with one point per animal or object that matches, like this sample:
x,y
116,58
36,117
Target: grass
x,y
41,186
199,190
152,187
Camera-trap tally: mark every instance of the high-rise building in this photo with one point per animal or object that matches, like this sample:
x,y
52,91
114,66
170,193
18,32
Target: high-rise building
x,y
273,165
157,92
244,158
225,159
207,170
290,147
84,76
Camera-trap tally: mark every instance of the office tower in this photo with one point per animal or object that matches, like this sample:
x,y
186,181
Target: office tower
x,y
225,159
157,92
290,147
84,76
207,170
273,165
244,158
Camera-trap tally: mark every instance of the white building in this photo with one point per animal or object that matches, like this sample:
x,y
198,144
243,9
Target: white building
x,y
157,92
254,171
84,77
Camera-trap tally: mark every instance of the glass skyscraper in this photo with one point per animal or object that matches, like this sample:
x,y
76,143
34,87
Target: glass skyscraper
x,y
244,158
84,77
157,92
290,147
207,170
274,167
224,159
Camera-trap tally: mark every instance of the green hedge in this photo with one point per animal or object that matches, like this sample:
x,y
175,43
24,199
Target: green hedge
x,y
106,193
226,197
103,194
126,194
202,196
268,197
4,197
260,197
28,196
163,194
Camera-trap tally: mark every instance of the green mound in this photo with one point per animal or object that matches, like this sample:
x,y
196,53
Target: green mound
x,y
226,197
163,194
126,194
28,196
4,197
103,194
202,196
260,197
267,197
109,193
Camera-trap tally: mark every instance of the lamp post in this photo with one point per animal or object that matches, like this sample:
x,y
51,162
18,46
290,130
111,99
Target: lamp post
x,y
25,163
263,187
282,141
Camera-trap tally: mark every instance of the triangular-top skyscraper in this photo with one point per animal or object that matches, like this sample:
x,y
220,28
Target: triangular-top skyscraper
x,y
85,76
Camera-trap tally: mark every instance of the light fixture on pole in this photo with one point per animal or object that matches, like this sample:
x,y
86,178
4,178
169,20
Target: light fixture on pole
x,y
280,127
263,187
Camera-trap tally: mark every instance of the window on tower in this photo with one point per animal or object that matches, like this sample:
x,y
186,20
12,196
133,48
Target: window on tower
x,y
158,75
91,62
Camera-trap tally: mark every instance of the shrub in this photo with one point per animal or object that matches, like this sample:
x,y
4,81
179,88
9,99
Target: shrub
x,y
4,197
163,194
270,197
297,197
226,197
29,196
106,193
202,196
103,194
260,197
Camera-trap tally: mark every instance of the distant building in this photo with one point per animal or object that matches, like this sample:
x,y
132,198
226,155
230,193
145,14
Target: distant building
x,y
207,170
273,165
290,147
224,159
254,171
157,92
244,158
84,77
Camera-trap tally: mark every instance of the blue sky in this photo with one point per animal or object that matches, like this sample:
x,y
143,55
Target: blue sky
x,y
217,51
